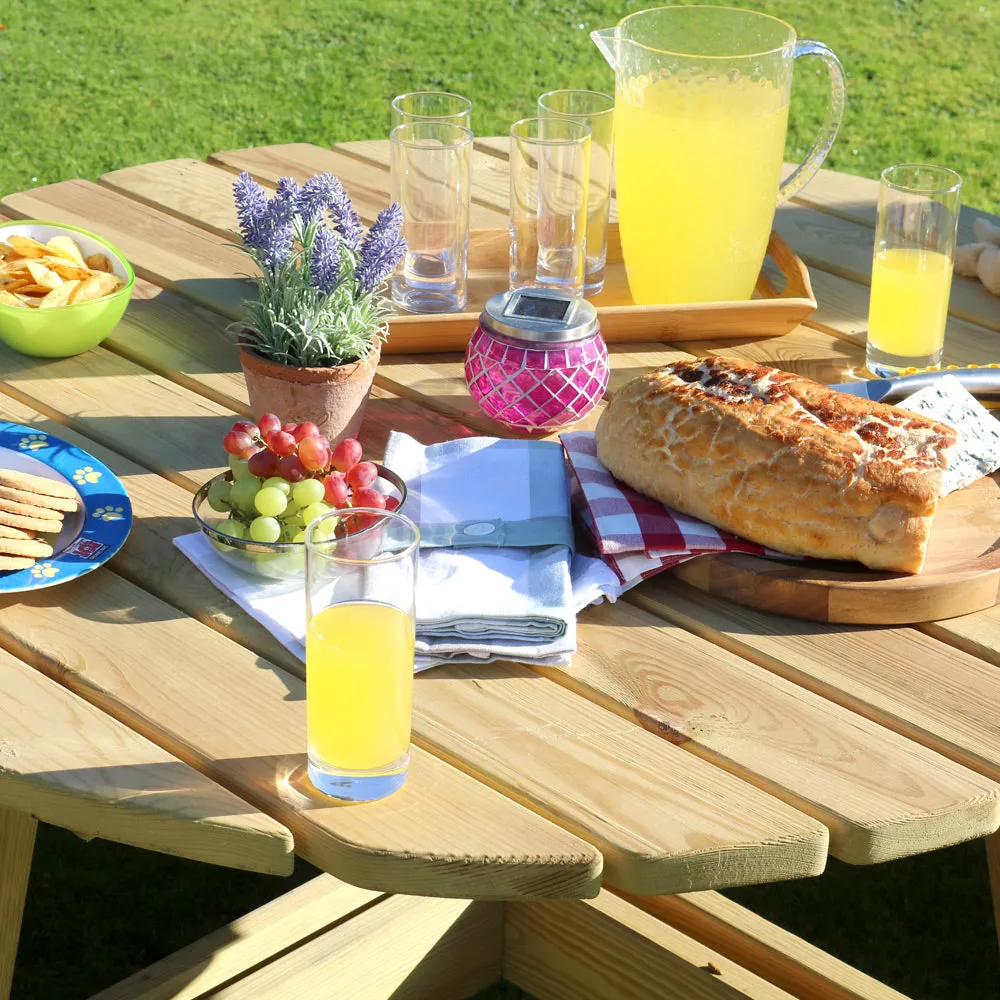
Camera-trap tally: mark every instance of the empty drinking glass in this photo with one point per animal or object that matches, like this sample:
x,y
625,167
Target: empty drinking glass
x,y
431,106
591,107
430,179
549,178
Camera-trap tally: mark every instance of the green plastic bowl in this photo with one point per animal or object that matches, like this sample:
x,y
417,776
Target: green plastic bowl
x,y
62,331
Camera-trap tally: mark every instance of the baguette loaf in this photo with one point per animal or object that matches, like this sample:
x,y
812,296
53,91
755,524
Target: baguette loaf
x,y
780,460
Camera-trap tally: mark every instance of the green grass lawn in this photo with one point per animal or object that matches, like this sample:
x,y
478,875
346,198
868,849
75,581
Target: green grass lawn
x,y
91,87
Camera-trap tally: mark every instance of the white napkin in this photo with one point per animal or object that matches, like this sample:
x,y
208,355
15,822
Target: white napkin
x,y
488,603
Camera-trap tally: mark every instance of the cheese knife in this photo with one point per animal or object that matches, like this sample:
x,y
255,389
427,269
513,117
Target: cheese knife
x,y
983,383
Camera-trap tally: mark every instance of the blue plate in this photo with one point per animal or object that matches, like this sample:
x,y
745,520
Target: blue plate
x,y
91,535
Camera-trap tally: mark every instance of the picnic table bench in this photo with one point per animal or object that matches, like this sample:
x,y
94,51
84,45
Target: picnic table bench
x,y
692,745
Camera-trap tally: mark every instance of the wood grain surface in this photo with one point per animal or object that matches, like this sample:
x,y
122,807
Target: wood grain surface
x,y
17,844
245,943
66,762
627,955
241,721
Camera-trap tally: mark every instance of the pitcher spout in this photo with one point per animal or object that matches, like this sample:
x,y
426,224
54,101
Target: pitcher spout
x,y
606,39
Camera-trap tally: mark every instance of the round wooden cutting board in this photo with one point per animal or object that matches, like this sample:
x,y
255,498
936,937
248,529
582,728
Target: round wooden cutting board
x,y
961,573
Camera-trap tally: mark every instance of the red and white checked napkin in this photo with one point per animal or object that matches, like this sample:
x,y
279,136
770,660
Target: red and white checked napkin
x,y
636,536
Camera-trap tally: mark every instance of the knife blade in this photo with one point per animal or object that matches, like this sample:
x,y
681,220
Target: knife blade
x,y
983,383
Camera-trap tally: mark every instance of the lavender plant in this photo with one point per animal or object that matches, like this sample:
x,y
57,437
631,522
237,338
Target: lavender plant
x,y
319,294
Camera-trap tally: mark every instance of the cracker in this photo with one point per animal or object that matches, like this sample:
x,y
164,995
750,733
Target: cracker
x,y
30,523
15,562
8,532
38,499
33,547
36,484
30,510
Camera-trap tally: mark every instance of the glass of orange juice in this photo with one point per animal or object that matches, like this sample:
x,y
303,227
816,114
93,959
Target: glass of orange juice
x,y
361,568
915,236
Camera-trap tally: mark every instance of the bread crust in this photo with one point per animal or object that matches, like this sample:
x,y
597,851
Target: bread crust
x,y
780,460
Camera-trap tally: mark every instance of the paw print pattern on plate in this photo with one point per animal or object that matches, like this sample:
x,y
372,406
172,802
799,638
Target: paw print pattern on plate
x,y
44,570
88,474
109,513
32,442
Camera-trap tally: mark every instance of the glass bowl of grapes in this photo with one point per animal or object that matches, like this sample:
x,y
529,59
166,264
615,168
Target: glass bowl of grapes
x,y
282,477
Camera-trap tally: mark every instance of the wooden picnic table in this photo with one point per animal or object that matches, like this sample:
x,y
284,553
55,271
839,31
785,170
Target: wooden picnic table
x,y
692,744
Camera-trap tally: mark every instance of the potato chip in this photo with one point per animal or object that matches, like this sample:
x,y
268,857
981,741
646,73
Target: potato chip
x,y
7,299
27,247
29,300
98,262
43,276
108,283
66,247
87,290
60,296
34,290
65,269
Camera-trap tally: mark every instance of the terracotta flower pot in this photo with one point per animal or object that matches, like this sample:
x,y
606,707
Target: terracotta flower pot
x,y
332,398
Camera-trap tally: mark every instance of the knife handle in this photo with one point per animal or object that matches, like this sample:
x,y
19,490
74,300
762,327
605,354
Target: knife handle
x,y
983,383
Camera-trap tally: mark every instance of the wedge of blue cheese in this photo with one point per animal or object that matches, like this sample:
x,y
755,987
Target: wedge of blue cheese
x,y
977,452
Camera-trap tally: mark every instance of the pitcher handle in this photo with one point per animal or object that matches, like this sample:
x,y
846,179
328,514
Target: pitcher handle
x,y
806,170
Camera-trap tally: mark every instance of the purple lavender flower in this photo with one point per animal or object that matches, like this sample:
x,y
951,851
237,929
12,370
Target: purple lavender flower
x,y
317,193
252,210
381,249
324,268
345,220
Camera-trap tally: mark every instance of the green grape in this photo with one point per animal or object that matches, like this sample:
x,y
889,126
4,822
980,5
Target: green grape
x,y
243,492
291,509
232,528
265,529
314,510
325,532
279,484
299,536
289,531
218,496
269,501
307,492
239,466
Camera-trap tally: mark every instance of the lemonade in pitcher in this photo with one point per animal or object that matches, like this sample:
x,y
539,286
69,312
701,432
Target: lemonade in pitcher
x,y
715,152
701,110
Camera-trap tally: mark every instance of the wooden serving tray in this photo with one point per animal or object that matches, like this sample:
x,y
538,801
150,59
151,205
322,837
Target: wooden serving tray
x,y
768,314
961,573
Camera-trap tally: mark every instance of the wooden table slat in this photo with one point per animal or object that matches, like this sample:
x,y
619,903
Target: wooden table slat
x,y
65,762
241,721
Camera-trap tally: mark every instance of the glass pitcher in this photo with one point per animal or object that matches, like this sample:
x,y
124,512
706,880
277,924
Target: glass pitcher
x,y
701,111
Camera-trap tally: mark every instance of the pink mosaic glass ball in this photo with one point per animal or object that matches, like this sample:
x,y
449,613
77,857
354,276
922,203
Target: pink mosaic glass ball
x,y
532,387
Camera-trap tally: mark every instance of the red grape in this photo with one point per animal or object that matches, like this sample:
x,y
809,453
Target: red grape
x,y
347,454
290,468
306,429
236,442
362,474
336,489
367,497
268,422
248,427
391,503
281,443
289,428
262,464
313,454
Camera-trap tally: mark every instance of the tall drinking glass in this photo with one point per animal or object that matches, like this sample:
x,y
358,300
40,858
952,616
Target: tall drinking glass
x,y
915,238
431,106
549,179
597,110
429,165
360,591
